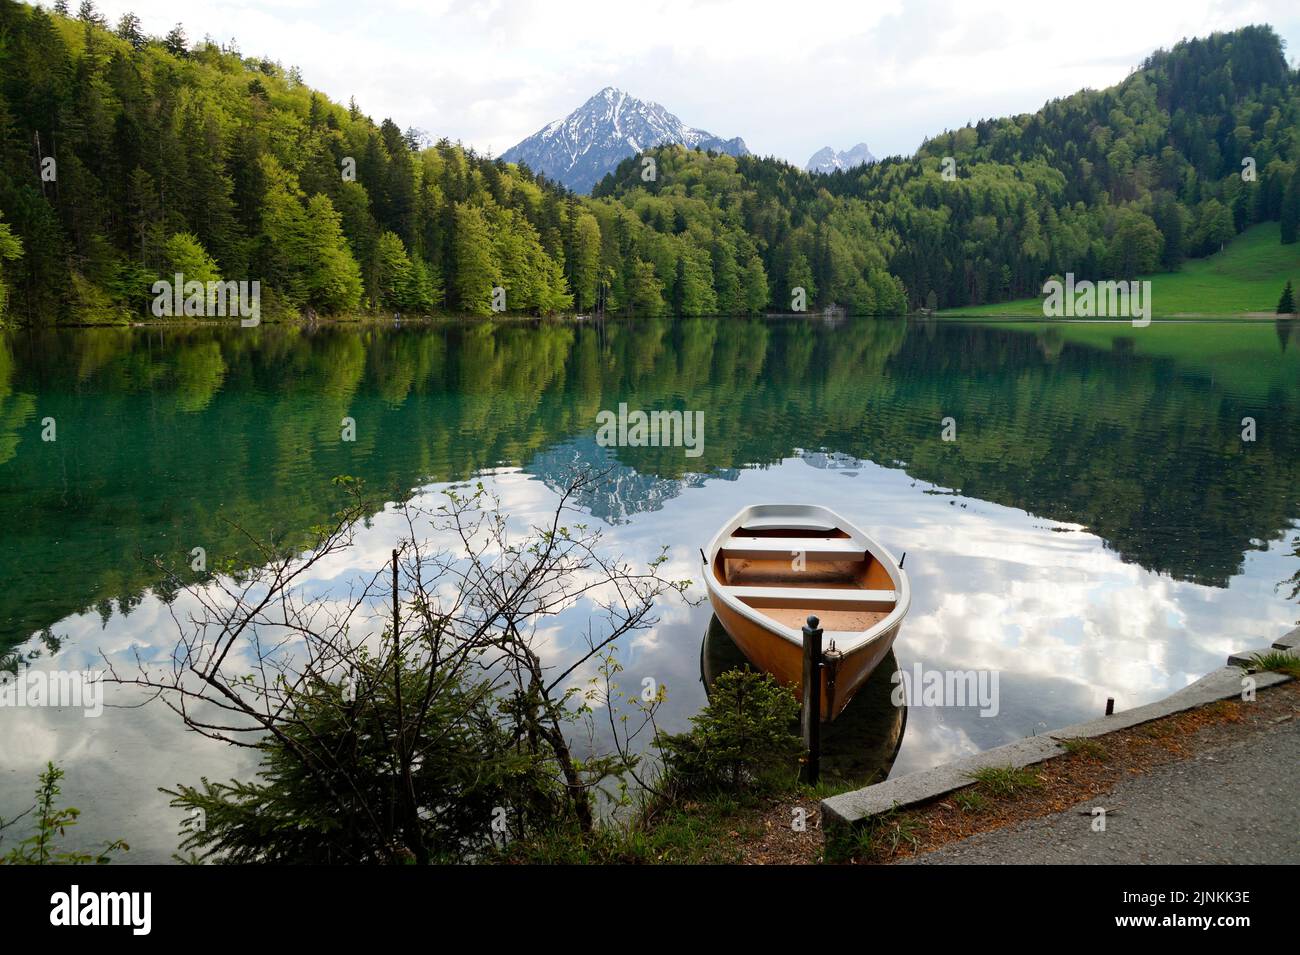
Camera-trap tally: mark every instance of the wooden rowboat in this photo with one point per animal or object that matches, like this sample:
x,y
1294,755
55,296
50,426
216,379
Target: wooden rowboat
x,y
773,565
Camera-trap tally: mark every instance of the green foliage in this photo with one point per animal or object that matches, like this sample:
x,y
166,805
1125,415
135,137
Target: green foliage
x,y
1104,184
11,248
1290,211
1276,661
50,825
476,272
164,138
1136,246
1083,746
1244,278
702,834
328,810
184,255
92,304
799,276
878,839
1286,304
334,278
586,261
1101,183
306,257
754,292
1214,227
1005,781
534,282
743,738
645,293
692,289
403,284
741,749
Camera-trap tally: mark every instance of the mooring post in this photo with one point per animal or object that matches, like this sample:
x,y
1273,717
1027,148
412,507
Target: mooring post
x,y
812,699
1110,706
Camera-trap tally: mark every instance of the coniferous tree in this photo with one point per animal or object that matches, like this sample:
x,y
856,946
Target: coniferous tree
x,y
1286,304
176,42
128,28
87,14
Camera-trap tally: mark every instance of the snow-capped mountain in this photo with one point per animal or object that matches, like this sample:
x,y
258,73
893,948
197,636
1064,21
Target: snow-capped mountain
x,y
828,160
588,143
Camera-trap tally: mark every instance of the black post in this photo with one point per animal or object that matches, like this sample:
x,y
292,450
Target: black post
x,y
812,698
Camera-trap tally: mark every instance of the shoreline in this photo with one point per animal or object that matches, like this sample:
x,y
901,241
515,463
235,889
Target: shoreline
x,y
1048,777
847,814
1235,318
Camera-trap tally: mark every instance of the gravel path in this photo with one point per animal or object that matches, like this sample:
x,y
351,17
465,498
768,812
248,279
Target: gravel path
x,y
1238,802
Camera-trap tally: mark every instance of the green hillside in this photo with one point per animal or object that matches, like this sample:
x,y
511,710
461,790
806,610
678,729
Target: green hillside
x,y
1246,278
159,156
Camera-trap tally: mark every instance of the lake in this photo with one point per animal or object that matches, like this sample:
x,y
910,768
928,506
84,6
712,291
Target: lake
x,y
1098,528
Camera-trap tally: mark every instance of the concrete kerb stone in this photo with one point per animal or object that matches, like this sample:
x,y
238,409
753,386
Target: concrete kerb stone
x,y
858,806
1289,642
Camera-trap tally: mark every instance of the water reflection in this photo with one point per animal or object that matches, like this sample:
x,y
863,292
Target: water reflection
x,y
1098,529
859,747
167,437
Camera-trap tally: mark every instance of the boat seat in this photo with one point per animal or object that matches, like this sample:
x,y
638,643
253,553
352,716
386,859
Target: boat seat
x,y
813,548
793,525
813,596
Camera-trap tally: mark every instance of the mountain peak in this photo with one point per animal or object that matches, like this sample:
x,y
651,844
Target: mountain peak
x,y
827,160
612,125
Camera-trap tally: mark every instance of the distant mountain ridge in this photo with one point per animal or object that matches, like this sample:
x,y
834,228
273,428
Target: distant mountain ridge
x,y
580,149
828,160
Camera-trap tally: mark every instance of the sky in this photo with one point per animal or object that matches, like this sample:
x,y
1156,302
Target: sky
x,y
788,78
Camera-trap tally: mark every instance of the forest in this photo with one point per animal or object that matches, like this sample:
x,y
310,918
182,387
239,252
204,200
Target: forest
x,y
125,158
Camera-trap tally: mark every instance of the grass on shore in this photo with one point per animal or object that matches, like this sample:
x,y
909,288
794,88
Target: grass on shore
x,y
1276,661
1246,278
715,830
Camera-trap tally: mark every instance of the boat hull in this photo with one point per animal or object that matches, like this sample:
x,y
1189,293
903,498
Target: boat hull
x,y
772,653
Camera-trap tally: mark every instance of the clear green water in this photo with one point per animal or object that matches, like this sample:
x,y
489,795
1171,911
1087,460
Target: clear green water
x,y
1099,527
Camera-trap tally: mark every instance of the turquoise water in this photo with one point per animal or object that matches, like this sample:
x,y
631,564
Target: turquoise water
x,y
1098,527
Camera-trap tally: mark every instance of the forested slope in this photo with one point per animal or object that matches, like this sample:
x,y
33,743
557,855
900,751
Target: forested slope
x,y
125,158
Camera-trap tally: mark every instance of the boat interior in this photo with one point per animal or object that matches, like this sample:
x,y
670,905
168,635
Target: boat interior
x,y
787,573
